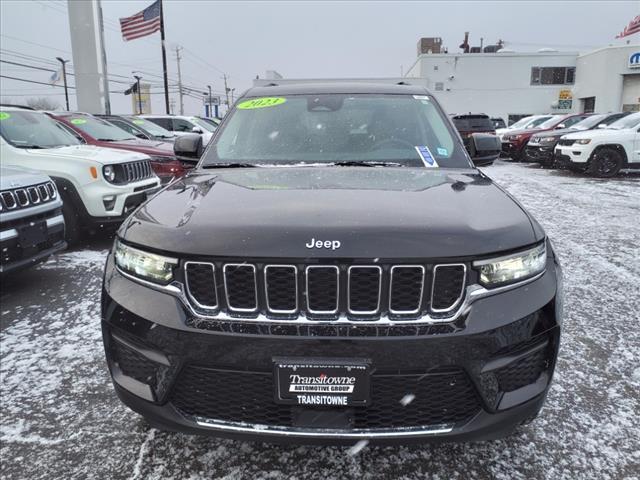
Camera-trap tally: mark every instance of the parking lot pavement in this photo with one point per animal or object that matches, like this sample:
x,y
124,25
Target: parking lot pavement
x,y
61,419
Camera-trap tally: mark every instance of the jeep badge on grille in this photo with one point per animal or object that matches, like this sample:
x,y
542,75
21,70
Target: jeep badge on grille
x,y
332,244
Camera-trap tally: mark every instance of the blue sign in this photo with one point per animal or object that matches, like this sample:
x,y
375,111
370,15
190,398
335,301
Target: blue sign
x,y
634,60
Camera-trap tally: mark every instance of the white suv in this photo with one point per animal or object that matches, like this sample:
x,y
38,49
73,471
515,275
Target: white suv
x,y
99,186
602,152
182,124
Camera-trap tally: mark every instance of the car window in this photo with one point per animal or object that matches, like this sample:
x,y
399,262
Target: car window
x,y
629,121
204,125
328,128
180,125
466,123
25,129
152,128
162,122
98,128
126,127
573,120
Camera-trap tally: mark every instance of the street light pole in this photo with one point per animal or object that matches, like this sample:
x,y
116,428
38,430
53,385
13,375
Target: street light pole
x,y
210,112
137,77
64,79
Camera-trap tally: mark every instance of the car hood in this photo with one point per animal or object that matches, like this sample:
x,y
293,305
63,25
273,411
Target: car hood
x,y
373,212
103,155
554,133
16,177
150,147
596,133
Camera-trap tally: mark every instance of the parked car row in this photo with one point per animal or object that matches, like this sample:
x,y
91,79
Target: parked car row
x,y
64,174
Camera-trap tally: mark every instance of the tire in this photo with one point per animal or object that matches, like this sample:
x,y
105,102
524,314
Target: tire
x,y
71,224
605,163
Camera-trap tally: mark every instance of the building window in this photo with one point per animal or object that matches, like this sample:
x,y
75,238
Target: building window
x,y
553,75
435,67
439,86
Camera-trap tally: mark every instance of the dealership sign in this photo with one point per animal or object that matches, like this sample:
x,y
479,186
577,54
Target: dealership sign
x,y
634,60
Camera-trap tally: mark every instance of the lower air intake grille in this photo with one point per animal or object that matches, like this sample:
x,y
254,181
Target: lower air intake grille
x,y
448,287
522,372
439,397
135,365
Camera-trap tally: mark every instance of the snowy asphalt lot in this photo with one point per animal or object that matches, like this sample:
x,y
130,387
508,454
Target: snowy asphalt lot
x,y
60,417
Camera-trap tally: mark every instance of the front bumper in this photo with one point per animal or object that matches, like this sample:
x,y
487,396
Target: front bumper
x,y
568,155
512,150
542,154
476,381
21,249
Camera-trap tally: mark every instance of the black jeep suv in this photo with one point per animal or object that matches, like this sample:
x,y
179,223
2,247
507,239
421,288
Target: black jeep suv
x,y
334,269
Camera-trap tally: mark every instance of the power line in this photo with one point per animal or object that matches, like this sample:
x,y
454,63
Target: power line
x,y
33,81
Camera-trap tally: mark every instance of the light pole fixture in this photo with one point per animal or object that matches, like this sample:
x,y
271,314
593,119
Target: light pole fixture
x,y
64,79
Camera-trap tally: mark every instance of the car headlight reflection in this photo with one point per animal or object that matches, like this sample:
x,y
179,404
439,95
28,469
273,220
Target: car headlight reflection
x,y
583,141
145,265
512,268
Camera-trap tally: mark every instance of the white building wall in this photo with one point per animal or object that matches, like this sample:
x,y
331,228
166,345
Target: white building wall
x,y
605,74
498,84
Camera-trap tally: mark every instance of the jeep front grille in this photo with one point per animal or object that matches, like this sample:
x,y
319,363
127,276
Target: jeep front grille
x,y
133,171
28,196
566,142
324,292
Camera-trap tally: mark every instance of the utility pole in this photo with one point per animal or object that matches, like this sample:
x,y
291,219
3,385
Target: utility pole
x,y
137,77
64,79
210,112
232,90
226,90
178,48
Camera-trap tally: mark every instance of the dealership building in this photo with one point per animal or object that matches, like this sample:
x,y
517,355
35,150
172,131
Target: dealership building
x,y
509,84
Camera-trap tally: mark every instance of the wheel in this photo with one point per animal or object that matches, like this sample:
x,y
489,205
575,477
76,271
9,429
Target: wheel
x,y
605,163
71,223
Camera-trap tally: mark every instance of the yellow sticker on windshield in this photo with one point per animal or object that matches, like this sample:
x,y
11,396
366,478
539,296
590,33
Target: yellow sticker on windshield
x,y
4,115
261,103
78,121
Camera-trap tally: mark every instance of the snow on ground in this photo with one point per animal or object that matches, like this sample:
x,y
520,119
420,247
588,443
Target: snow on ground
x,y
61,419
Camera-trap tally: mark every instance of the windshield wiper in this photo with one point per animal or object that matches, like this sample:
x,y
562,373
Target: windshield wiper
x,y
361,163
229,165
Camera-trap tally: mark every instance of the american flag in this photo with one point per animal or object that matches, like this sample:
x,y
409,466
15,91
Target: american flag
x,y
142,23
633,27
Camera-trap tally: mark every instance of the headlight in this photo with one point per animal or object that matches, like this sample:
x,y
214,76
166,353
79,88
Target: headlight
x,y
583,141
512,268
148,266
548,139
109,173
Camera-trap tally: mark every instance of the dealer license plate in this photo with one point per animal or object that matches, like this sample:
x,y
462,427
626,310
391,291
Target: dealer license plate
x,y
322,382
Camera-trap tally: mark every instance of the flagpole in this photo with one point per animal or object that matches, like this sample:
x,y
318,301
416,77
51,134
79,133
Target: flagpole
x,y
164,60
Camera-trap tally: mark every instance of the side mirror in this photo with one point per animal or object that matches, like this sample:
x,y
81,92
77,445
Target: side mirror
x,y
189,145
484,148
142,135
196,130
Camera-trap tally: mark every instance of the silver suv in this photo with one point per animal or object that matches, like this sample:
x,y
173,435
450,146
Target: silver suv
x,y
31,221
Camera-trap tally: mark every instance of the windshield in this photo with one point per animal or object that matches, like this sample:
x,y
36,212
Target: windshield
x,y
521,123
204,124
588,123
310,129
549,123
98,129
630,121
24,129
210,121
150,127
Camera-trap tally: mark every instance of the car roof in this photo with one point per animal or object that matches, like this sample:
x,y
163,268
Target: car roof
x,y
335,87
14,107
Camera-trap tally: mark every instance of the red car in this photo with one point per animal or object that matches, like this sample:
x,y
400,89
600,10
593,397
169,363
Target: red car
x,y
95,131
513,142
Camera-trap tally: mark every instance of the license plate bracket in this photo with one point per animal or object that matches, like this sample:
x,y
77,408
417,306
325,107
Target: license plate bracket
x,y
321,382
32,234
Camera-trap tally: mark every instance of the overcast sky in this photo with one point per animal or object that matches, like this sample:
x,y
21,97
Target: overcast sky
x,y
298,39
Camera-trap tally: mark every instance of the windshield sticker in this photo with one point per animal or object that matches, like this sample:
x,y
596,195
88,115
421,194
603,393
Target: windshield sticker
x,y
138,122
261,103
4,115
426,156
442,151
78,121
421,97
